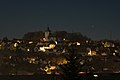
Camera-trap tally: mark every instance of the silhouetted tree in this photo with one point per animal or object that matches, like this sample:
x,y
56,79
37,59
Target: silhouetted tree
x,y
76,36
70,71
5,39
60,34
34,35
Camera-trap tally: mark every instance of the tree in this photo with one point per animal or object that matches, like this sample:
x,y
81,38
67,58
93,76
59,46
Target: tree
x,y
60,35
34,35
5,39
70,71
76,36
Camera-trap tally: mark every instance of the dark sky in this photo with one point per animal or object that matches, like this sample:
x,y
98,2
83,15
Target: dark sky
x,y
97,19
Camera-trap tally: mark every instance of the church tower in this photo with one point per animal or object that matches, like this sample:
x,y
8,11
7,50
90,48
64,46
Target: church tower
x,y
47,33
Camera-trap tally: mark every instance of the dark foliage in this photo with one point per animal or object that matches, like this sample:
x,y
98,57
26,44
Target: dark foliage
x,y
59,35
70,71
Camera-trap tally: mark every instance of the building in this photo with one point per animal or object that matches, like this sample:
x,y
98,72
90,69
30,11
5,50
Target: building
x,y
47,34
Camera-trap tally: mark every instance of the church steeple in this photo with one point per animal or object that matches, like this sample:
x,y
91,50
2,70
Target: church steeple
x,y
47,33
48,29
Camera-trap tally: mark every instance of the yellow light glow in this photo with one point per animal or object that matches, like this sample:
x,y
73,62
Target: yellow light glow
x,y
62,61
28,50
46,69
109,44
0,46
42,49
83,72
18,41
114,54
78,43
91,53
52,67
87,41
15,45
64,39
51,46
116,51
56,42
103,54
10,57
30,42
44,39
31,60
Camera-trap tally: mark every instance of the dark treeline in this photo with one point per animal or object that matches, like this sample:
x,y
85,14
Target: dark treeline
x,y
59,35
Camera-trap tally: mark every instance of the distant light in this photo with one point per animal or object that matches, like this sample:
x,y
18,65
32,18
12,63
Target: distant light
x,y
55,42
51,46
114,54
31,60
104,54
78,43
10,57
83,72
0,46
95,75
42,49
12,74
52,67
30,42
28,50
15,45
116,51
82,62
87,41
105,69
18,41
91,53
64,39
44,39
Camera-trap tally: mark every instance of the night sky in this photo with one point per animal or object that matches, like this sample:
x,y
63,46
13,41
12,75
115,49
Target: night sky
x,y
97,19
